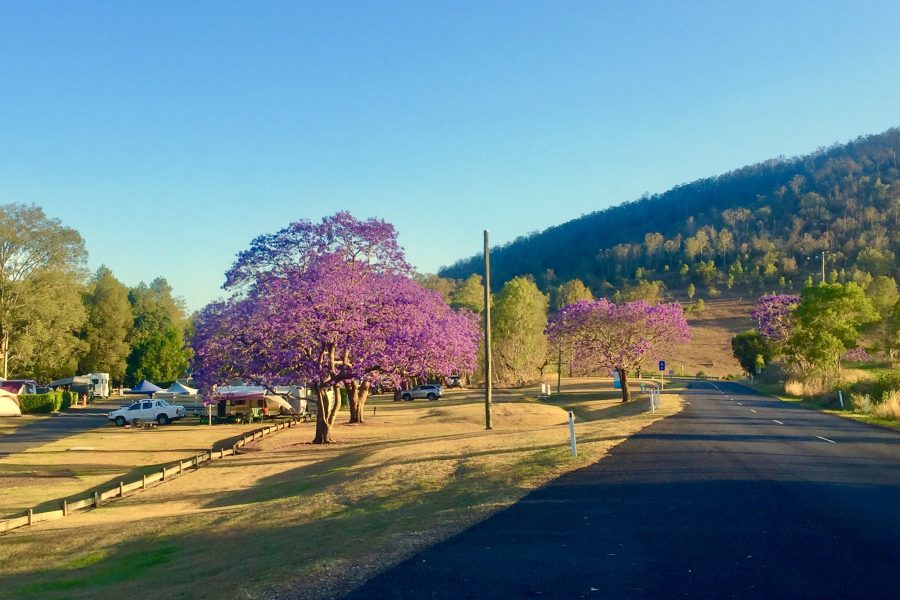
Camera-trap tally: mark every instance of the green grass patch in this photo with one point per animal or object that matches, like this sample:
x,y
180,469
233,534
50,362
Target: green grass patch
x,y
98,570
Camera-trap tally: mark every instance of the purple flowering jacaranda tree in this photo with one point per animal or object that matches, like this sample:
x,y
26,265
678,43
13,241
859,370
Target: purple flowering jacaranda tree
x,y
600,335
774,316
333,320
372,242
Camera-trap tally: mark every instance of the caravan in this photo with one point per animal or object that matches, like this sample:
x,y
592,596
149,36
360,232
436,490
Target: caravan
x,y
93,385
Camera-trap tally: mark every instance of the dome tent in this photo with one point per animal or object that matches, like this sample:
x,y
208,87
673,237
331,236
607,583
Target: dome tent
x,y
145,388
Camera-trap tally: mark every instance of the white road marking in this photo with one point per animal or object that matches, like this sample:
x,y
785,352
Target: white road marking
x,y
740,403
777,421
753,411
826,439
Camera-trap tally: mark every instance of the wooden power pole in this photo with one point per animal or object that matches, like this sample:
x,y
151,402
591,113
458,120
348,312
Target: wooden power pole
x,y
488,387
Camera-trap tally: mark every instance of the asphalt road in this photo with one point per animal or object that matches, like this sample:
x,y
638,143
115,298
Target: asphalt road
x,y
55,427
738,496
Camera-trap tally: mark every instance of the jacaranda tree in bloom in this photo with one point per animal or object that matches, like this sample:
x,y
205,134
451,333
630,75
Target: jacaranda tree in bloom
x,y
332,317
775,316
600,335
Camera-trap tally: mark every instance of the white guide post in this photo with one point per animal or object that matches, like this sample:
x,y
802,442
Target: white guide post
x,y
572,433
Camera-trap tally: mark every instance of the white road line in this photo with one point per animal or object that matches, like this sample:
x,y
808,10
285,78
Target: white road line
x,y
753,411
740,403
826,439
777,421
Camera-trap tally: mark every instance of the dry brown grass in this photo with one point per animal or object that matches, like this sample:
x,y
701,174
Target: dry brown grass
x,y
710,350
103,456
292,520
889,407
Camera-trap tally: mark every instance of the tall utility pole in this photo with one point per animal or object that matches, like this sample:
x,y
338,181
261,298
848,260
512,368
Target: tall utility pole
x,y
823,266
488,386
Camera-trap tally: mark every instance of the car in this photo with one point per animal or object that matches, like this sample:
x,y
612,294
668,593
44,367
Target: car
x,y
432,392
147,410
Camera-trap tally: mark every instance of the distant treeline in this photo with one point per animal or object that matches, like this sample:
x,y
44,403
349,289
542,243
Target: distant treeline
x,y
760,227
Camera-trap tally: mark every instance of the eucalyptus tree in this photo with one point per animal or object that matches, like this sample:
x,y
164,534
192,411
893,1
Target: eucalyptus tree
x,y
41,274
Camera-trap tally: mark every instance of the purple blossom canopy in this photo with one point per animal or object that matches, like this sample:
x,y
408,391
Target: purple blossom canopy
x,y
774,315
600,335
372,242
330,322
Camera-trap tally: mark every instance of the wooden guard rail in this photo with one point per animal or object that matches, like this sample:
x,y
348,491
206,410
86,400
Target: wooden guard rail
x,y
98,498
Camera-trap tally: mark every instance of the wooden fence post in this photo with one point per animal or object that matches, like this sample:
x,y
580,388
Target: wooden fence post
x,y
121,489
30,516
180,467
65,507
96,499
143,482
163,474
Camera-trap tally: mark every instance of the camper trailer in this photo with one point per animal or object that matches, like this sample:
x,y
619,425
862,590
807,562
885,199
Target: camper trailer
x,y
248,402
99,385
93,385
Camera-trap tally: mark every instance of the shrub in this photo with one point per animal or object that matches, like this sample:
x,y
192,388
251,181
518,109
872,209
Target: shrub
x,y
859,402
889,407
877,388
856,355
68,399
40,403
793,388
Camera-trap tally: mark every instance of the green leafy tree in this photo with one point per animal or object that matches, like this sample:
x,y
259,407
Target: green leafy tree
x,y
828,320
159,358
748,345
436,283
569,293
519,318
652,292
158,324
691,291
41,274
109,321
883,294
469,294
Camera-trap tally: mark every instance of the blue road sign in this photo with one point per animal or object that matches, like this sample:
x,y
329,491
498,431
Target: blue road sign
x,y
662,365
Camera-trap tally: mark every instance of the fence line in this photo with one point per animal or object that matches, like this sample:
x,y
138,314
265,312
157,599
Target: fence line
x,y
98,498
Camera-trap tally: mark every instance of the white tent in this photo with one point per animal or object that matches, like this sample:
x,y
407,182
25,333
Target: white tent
x,y
9,404
177,390
180,388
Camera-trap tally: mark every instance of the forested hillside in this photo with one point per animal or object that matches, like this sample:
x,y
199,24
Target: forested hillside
x,y
757,228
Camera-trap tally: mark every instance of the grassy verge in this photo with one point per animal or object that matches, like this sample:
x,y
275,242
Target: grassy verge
x,y
101,457
289,519
812,404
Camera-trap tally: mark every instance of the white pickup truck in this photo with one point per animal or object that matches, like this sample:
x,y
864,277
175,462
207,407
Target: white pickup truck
x,y
147,410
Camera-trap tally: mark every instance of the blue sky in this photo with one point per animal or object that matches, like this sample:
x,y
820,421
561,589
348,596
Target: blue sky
x,y
172,133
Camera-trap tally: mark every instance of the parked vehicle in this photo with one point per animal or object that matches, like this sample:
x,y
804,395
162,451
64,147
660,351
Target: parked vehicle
x,y
246,403
147,410
432,392
454,381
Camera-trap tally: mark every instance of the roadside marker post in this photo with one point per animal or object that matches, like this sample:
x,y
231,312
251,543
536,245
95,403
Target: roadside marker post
x,y
572,433
662,373
841,398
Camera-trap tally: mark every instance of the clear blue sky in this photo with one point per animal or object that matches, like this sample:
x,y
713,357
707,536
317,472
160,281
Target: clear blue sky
x,y
172,133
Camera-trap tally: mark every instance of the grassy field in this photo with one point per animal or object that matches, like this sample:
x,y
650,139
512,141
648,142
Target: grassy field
x,y
288,519
710,349
100,457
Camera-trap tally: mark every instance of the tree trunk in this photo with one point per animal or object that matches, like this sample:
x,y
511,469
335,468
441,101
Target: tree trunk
x,y
327,411
356,398
623,379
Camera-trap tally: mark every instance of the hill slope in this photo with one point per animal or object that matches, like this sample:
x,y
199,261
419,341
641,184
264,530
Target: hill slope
x,y
755,228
